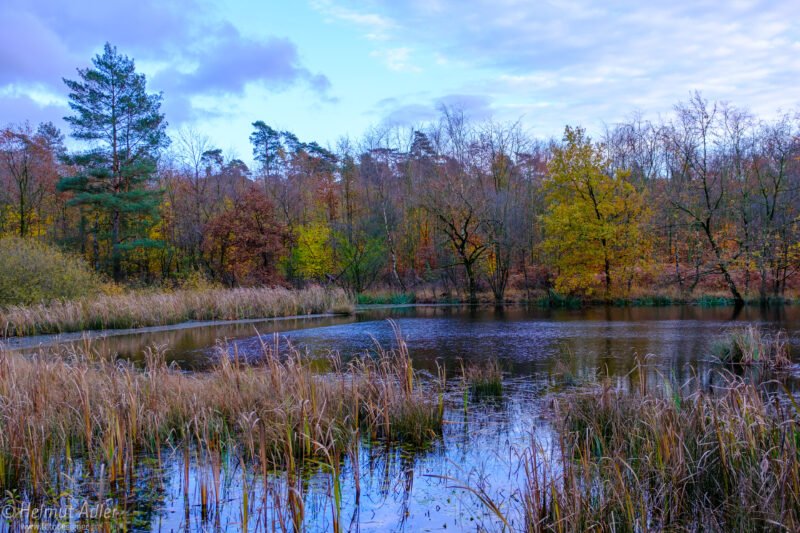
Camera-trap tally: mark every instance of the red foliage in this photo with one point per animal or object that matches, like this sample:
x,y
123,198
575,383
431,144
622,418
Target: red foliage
x,y
246,241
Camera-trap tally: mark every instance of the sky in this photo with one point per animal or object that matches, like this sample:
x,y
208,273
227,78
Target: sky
x,y
326,69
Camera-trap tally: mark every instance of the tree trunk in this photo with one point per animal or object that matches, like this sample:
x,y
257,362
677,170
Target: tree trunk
x,y
737,297
392,253
763,271
471,284
116,259
499,279
606,268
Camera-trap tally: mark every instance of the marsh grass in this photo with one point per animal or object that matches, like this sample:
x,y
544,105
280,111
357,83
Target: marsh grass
x,y
670,460
751,346
483,380
59,410
134,310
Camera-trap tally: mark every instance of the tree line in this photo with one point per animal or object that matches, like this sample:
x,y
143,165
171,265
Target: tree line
x,y
706,199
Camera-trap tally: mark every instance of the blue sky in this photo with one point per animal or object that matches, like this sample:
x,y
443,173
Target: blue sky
x,y
329,68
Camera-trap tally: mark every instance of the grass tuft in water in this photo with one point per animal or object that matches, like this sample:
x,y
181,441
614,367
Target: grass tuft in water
x,y
751,346
483,380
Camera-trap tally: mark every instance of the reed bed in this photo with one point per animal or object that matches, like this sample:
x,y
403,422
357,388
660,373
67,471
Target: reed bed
x,y
59,410
751,346
647,461
134,310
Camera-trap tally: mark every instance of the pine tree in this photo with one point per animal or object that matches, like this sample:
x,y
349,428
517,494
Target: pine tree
x,y
266,147
123,123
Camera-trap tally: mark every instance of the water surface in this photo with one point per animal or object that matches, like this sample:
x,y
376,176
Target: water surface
x,y
418,490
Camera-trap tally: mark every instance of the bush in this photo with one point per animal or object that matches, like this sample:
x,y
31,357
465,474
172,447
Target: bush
x,y
32,272
386,298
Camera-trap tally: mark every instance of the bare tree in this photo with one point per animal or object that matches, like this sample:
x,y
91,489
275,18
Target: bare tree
x,y
775,170
454,195
508,220
28,170
699,189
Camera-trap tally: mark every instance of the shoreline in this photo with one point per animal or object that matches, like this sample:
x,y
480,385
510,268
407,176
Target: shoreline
x,y
140,310
27,342
558,301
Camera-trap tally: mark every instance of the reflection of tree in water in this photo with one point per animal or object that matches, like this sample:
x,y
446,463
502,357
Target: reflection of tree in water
x,y
540,350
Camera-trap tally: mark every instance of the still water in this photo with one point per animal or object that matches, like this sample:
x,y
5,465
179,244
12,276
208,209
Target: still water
x,y
539,351
527,340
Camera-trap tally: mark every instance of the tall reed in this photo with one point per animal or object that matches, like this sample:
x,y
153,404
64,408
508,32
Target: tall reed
x,y
59,407
483,379
133,310
750,345
692,460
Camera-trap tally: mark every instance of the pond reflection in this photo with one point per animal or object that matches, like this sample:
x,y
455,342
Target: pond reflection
x,y
385,488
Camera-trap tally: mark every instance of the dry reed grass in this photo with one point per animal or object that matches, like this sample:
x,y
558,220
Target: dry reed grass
x,y
134,310
695,461
750,345
483,379
61,409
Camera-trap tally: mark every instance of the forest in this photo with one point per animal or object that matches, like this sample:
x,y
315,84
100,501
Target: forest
x,y
704,201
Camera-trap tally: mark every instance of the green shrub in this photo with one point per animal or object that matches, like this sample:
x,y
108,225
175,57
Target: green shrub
x,y
32,272
713,301
555,299
386,298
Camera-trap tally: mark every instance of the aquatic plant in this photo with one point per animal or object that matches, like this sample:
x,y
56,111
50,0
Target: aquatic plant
x,y
663,458
59,409
750,345
483,379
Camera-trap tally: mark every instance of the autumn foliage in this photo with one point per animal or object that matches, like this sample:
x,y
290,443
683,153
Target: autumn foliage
x,y
245,242
596,221
706,200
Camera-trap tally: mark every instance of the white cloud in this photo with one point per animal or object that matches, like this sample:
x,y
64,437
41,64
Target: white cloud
x,y
603,62
375,27
397,59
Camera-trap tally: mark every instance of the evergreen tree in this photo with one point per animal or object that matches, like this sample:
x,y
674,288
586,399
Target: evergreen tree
x,y
266,143
123,123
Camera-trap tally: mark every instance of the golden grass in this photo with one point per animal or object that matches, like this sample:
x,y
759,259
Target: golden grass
x,y
750,345
644,461
483,379
59,408
134,310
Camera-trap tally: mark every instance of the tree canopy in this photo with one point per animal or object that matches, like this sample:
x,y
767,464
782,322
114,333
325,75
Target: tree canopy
x,y
124,124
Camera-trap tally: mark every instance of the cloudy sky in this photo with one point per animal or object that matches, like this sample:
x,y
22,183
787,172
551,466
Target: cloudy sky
x,y
327,68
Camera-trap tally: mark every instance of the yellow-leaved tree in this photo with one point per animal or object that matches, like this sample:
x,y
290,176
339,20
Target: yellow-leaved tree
x,y
312,258
594,221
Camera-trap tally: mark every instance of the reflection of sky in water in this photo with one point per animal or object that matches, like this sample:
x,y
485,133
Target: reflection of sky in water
x,y
531,342
527,338
406,491
401,490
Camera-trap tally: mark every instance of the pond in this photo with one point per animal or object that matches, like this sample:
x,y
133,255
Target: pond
x,y
401,489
